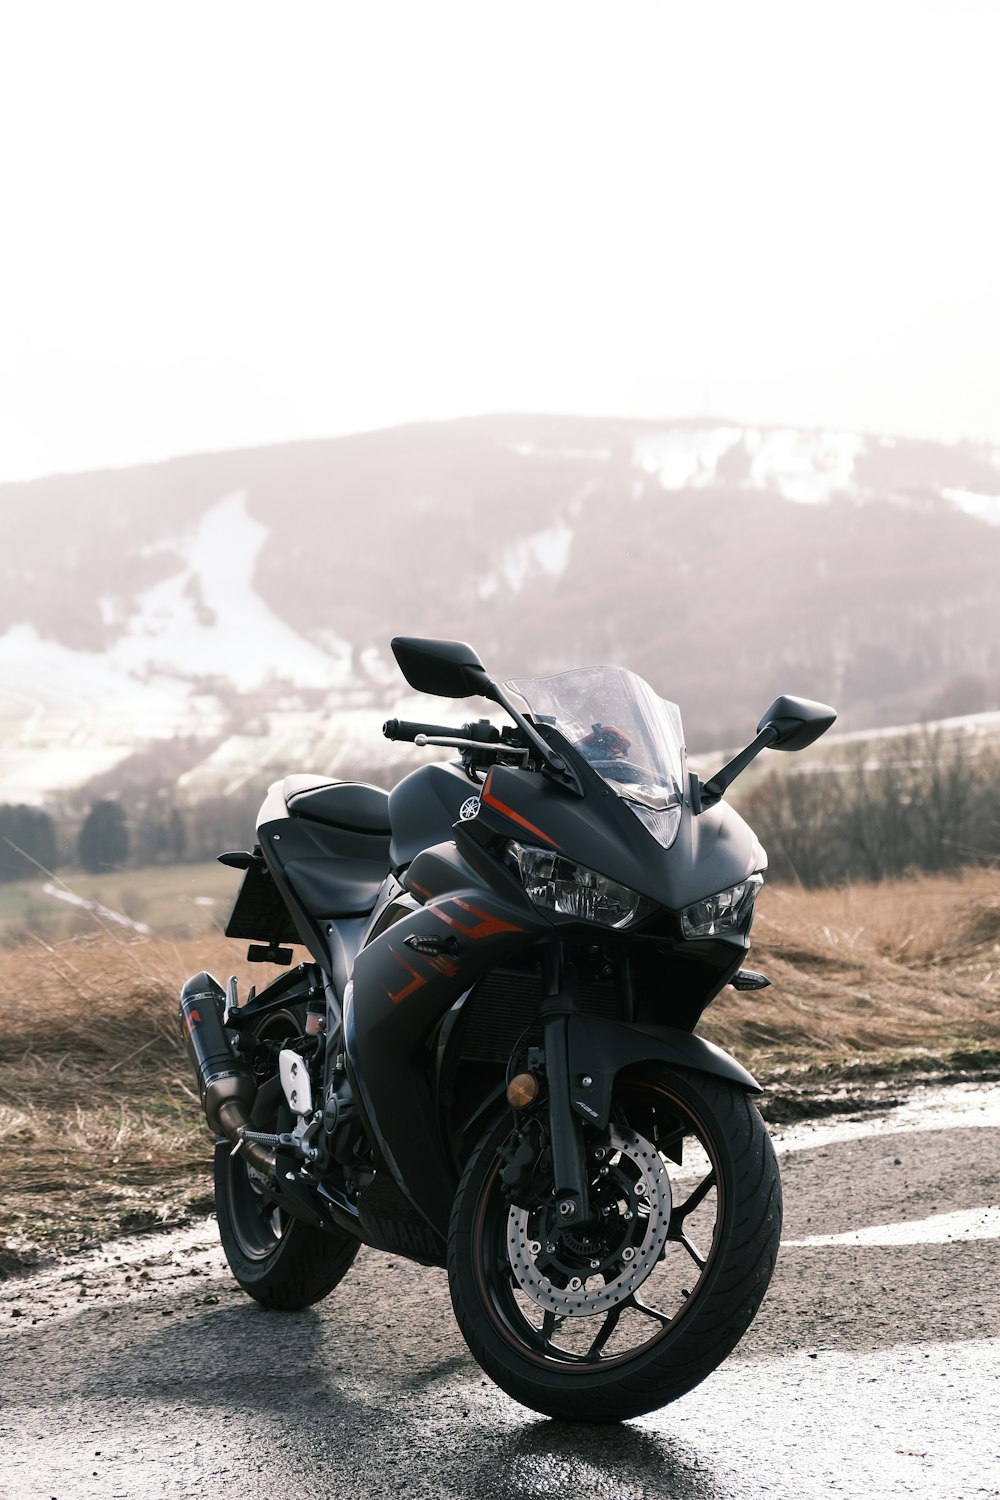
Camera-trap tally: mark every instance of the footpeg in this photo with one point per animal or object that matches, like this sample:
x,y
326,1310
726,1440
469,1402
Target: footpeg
x,y
261,1138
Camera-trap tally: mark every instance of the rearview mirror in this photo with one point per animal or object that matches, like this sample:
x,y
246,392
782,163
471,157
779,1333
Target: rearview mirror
x,y
789,724
799,722
445,669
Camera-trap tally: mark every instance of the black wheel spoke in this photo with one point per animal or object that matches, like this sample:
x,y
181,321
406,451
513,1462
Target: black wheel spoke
x,y
665,1144
607,1329
690,1203
650,1312
692,1250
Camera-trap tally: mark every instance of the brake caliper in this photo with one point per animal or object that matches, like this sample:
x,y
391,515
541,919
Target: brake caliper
x,y
527,1166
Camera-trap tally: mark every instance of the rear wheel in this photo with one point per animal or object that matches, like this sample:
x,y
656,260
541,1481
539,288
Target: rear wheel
x,y
625,1314
279,1261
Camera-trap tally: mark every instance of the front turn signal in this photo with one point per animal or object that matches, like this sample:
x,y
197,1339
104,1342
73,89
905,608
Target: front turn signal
x,y
522,1091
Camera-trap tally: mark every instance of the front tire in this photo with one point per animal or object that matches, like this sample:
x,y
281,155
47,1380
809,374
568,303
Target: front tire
x,y
630,1312
279,1261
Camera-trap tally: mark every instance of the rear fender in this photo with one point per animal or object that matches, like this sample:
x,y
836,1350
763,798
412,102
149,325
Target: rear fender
x,y
600,1049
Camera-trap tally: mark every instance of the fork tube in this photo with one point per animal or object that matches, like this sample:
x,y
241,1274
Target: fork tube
x,y
559,1002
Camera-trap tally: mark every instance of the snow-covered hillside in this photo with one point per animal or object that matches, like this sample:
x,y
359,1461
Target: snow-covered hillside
x,y
237,608
806,467
208,620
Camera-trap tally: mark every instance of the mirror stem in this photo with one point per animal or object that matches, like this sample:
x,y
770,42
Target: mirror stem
x,y
713,790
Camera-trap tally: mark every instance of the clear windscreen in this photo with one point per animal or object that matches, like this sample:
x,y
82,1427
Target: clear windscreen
x,y
631,737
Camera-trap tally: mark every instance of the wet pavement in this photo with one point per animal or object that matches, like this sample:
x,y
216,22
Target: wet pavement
x,y
873,1367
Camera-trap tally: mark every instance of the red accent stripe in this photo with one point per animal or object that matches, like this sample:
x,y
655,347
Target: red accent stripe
x,y
418,980
487,926
515,817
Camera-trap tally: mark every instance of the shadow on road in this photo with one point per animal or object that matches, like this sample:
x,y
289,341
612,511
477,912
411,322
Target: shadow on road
x,y
558,1458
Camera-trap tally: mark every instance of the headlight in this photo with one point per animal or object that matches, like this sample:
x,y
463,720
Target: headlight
x,y
724,912
560,885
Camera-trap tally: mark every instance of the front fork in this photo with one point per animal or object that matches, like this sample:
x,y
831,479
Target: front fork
x,y
570,1188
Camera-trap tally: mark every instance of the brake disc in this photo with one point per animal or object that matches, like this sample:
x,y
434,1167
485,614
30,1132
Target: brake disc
x,y
583,1272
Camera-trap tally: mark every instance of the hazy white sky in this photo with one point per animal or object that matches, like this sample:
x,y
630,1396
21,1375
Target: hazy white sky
x,y
234,223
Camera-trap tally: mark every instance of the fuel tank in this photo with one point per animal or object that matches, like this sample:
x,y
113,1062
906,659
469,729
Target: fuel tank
x,y
424,806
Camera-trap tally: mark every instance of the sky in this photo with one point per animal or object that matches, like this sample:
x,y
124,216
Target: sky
x,y
227,224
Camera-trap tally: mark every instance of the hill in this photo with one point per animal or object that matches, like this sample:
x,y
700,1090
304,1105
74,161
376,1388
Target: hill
x,y
222,614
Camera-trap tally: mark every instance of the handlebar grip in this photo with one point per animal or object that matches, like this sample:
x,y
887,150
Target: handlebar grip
x,y
402,729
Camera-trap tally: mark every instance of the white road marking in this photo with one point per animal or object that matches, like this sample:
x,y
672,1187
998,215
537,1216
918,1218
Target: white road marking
x,y
957,1107
937,1229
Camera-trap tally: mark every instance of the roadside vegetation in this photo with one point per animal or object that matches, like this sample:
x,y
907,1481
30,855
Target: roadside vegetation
x,y
172,900
853,808
873,985
876,809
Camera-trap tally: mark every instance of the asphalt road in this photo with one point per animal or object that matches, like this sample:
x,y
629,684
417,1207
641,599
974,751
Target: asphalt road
x,y
873,1367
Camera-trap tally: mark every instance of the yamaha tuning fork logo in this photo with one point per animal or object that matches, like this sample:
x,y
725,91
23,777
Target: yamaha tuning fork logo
x,y
469,808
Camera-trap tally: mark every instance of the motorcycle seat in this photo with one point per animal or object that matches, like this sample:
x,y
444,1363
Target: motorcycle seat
x,y
353,806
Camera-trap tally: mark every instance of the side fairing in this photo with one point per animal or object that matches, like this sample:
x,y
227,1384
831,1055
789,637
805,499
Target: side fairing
x,y
404,982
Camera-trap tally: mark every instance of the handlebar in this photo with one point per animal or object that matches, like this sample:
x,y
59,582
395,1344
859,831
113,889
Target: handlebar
x,y
402,729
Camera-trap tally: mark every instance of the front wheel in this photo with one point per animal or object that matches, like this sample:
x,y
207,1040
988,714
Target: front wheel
x,y
626,1313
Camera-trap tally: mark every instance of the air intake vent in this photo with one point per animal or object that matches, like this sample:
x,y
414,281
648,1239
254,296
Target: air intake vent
x,y
505,1005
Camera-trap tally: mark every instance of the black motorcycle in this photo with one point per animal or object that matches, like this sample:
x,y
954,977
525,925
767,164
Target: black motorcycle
x,y
489,1060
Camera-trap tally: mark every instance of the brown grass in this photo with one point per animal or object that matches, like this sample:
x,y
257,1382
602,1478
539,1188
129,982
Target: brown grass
x,y
909,964
101,1129
99,1120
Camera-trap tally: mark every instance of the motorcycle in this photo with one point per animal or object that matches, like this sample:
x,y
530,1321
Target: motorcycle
x,y
488,1062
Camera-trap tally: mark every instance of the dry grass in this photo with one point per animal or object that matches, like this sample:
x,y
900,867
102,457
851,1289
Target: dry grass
x,y
871,969
99,1121
101,1129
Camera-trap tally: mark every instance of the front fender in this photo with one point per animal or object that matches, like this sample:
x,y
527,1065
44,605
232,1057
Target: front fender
x,y
600,1049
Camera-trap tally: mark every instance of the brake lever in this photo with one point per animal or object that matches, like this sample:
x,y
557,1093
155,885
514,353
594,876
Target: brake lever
x,y
480,746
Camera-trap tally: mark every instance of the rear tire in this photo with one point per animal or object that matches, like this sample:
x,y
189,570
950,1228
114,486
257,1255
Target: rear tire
x,y
280,1261
629,1313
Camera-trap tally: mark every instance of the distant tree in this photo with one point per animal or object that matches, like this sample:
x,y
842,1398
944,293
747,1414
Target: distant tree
x,y
103,843
27,841
159,833
175,835
221,822
926,801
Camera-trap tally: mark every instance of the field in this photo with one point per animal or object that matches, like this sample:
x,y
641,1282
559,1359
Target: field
x,y
169,899
100,1124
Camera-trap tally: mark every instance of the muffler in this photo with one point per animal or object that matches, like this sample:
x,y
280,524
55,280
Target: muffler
x,y
225,1084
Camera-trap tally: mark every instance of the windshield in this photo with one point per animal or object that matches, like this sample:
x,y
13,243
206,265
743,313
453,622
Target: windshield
x,y
632,738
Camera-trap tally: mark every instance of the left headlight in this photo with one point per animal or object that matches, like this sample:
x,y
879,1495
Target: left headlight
x,y
560,885
726,911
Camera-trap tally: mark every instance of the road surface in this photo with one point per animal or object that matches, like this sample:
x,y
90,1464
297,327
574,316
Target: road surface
x,y
873,1368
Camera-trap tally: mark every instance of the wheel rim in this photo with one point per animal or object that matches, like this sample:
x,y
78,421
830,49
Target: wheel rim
x,y
539,1284
258,1224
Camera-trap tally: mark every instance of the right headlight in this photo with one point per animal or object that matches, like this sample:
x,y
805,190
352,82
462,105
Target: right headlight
x,y
561,885
726,911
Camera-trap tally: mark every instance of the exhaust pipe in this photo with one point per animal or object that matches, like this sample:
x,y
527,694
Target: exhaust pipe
x,y
226,1085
